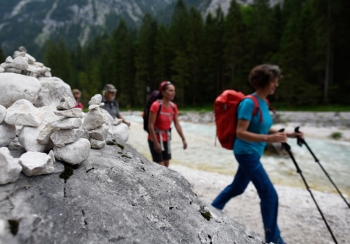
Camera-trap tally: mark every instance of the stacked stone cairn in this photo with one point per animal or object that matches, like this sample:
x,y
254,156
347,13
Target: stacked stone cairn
x,y
37,113
24,115
25,64
96,123
69,146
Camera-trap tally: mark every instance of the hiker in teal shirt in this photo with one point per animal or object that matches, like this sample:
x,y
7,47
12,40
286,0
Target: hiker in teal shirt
x,y
253,132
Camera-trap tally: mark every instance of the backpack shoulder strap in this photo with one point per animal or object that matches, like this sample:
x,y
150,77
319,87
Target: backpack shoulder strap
x,y
160,106
256,106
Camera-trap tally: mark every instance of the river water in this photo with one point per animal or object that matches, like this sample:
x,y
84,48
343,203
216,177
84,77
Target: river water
x,y
203,154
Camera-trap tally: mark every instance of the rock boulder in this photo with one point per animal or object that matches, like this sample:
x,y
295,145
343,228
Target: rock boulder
x,y
14,87
115,196
52,91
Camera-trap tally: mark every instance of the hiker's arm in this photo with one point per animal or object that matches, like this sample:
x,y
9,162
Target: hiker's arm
x,y
179,130
151,120
290,135
243,134
123,120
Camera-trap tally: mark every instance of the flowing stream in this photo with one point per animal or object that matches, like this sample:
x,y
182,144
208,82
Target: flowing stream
x,y
202,154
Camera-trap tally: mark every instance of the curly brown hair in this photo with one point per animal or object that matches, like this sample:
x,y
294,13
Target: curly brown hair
x,y
263,74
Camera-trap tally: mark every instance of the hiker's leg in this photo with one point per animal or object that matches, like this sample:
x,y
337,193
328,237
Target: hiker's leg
x,y
166,155
157,157
268,196
166,163
237,187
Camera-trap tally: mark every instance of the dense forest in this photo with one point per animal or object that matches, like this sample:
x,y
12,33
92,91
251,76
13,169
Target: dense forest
x,y
308,39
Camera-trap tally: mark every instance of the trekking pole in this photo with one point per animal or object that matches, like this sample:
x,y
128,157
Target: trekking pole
x,y
300,142
286,147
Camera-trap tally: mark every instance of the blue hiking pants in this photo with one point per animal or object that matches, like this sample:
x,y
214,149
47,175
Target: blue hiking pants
x,y
251,169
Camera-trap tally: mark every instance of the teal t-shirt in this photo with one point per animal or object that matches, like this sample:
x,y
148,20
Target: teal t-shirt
x,y
245,112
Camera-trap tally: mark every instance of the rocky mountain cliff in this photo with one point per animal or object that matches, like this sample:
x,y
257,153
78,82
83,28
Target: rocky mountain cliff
x,y
80,20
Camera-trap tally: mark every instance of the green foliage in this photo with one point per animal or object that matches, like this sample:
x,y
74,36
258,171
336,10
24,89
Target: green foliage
x,y
2,56
204,55
336,135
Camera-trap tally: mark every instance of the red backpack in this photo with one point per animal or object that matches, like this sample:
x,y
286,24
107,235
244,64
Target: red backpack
x,y
225,109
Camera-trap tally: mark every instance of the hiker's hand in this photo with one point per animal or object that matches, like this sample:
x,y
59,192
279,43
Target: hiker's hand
x,y
296,134
279,137
184,144
157,147
127,123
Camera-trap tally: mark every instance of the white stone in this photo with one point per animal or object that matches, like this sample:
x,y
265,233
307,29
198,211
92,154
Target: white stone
x,y
73,153
22,112
39,64
2,70
121,131
66,103
13,70
2,113
36,163
9,167
9,59
19,54
45,133
94,119
22,49
52,156
62,137
71,113
93,106
7,134
20,63
67,123
99,133
28,137
14,87
95,100
31,59
52,91
48,74
97,144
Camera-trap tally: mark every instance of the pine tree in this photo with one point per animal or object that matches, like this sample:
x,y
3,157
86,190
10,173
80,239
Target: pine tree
x,y
178,37
122,64
144,56
213,55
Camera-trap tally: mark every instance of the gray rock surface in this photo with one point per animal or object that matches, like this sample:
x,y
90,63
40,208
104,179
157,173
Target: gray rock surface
x,y
9,167
73,153
71,113
2,113
115,196
8,133
63,137
66,103
14,87
22,112
97,144
94,119
67,123
36,163
52,90
99,133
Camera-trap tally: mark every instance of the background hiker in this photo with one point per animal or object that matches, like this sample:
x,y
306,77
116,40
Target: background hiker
x,y
162,113
252,134
77,95
110,104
